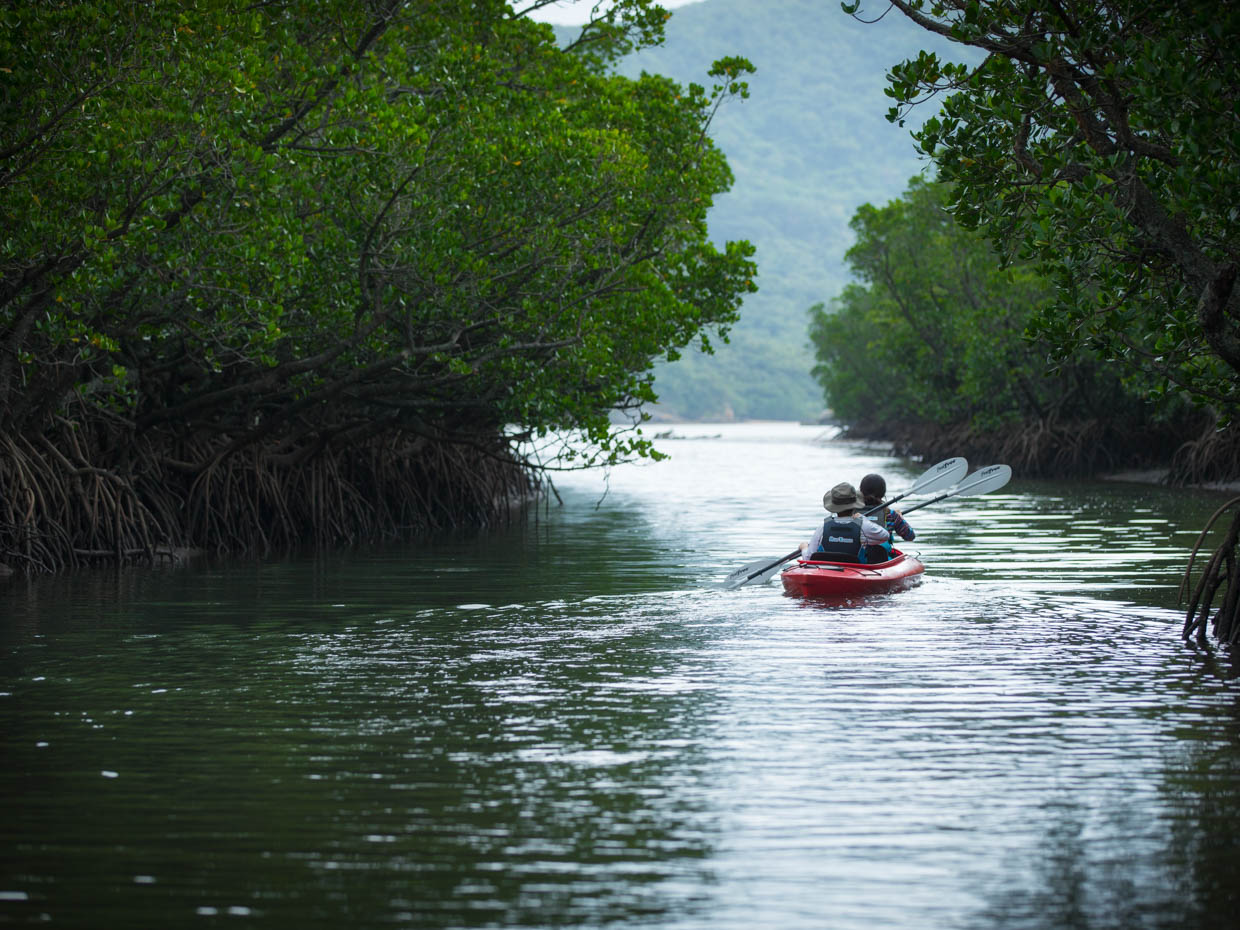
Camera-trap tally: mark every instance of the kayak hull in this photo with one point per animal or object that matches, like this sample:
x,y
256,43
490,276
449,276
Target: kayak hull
x,y
809,578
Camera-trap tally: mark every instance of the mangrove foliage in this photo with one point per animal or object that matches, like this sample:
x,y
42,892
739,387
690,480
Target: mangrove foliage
x,y
1100,144
928,349
317,270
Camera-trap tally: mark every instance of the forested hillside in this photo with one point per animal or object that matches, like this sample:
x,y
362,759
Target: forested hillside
x,y
807,148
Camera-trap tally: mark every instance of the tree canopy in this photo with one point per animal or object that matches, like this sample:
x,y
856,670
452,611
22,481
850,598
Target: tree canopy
x,y
1101,142
930,343
291,229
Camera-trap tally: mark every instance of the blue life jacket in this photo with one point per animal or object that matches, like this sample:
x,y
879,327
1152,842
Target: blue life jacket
x,y
842,538
886,519
881,552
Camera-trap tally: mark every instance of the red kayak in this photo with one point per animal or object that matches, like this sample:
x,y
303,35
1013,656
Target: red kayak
x,y
826,579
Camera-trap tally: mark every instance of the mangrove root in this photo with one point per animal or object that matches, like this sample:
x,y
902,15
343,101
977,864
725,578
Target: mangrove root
x,y
79,493
1220,574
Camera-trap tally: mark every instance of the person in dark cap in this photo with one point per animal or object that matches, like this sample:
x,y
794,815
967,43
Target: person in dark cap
x,y
846,535
873,490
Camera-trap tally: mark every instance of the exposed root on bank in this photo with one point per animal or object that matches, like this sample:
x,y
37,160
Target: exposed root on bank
x,y
1049,448
1220,573
84,494
1213,456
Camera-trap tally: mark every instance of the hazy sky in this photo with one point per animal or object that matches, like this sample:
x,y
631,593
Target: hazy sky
x,y
572,12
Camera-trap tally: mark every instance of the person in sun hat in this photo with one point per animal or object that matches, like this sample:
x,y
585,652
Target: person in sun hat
x,y
845,535
873,489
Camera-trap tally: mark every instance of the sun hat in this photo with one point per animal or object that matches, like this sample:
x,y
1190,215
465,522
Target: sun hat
x,y
842,497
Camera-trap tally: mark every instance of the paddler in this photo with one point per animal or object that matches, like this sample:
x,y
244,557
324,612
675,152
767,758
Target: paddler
x,y
873,490
846,535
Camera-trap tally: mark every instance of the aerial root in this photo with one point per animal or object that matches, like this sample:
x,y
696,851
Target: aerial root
x,y
1045,448
1220,572
1214,455
68,498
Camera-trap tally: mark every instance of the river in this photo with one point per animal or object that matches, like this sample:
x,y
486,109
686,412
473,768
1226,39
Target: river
x,y
570,722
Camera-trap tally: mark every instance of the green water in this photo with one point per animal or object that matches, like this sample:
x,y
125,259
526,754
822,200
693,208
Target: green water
x,y
570,723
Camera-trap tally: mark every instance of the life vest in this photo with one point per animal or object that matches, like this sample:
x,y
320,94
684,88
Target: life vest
x,y
884,519
842,537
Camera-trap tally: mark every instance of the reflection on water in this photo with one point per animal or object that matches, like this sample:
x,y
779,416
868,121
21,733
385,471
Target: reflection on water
x,y
570,723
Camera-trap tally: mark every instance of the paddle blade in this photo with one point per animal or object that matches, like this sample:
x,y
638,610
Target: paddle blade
x,y
982,481
763,575
985,480
942,475
758,571
738,577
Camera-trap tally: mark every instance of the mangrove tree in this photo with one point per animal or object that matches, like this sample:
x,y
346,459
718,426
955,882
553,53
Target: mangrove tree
x,y
321,270
1101,142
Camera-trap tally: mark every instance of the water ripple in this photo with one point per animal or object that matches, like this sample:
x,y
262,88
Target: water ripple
x,y
572,723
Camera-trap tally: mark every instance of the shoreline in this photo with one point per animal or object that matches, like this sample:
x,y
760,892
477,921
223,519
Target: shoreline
x,y
1159,476
1150,476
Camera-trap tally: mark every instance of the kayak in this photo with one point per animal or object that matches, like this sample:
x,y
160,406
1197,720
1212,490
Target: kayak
x,y
825,579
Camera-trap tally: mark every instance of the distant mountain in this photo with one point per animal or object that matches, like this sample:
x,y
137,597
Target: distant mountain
x,y
808,147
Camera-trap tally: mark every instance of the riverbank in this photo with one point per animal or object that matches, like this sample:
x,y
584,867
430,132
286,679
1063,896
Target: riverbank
x,y
83,496
1189,452
1162,476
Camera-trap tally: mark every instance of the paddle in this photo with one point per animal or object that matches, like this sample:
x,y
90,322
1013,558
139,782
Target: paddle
x,y
750,572
982,481
942,475
937,476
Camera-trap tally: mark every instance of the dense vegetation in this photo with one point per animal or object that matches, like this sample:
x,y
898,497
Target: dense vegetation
x,y
312,269
1101,143
928,349
1105,145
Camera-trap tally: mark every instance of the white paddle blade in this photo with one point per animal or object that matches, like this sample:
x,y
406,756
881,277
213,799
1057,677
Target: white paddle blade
x,y
942,475
754,572
985,480
982,481
738,577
